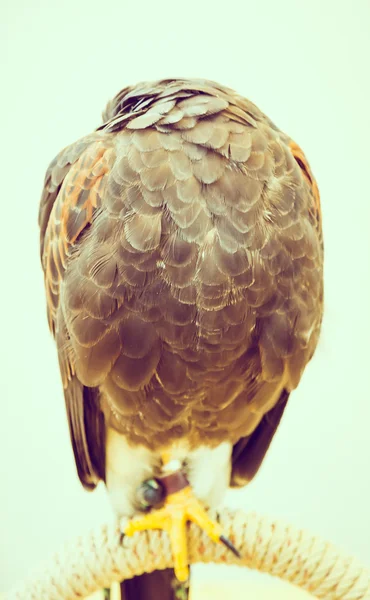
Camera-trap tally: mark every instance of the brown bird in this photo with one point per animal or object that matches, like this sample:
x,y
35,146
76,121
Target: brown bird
x,y
182,249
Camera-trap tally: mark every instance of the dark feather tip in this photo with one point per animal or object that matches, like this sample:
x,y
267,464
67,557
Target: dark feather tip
x,y
226,542
121,538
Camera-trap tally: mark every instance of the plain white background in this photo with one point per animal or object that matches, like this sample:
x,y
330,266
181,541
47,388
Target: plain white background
x,y
306,64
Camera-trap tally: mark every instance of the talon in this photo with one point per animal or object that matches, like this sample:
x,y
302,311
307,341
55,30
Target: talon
x,y
226,542
180,506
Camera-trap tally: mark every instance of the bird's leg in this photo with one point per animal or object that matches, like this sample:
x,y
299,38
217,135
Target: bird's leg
x,y
179,507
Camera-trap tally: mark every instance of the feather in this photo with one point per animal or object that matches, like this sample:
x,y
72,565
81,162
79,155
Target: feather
x,y
250,451
87,431
143,232
182,250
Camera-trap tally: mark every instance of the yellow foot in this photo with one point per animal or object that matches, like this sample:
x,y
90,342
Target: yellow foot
x,y
180,507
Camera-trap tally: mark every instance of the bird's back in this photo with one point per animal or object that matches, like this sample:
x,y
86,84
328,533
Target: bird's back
x,y
183,259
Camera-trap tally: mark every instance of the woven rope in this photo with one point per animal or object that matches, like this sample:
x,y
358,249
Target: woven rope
x,y
93,562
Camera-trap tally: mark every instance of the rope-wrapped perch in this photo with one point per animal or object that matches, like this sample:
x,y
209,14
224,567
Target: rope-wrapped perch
x,y
93,562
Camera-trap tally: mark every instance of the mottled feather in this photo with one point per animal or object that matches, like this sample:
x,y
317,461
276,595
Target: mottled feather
x,y
182,249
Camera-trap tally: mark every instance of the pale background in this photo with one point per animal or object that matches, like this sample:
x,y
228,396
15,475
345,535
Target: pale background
x,y
306,64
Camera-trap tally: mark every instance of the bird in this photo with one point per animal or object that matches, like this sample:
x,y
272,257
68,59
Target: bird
x,y
182,250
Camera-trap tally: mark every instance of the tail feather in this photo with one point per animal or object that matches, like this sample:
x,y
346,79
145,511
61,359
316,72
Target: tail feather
x,y
159,585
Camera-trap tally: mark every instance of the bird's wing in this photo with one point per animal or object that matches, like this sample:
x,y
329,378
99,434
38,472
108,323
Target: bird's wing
x,y
70,199
249,452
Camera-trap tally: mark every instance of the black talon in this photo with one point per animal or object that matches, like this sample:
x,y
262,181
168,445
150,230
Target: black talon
x,y
121,538
226,542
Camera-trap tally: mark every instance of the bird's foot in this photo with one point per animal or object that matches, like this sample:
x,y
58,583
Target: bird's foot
x,y
180,506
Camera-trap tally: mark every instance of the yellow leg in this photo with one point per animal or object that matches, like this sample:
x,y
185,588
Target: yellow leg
x,y
179,507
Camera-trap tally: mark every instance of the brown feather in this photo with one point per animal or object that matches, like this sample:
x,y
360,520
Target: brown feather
x,y
182,249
